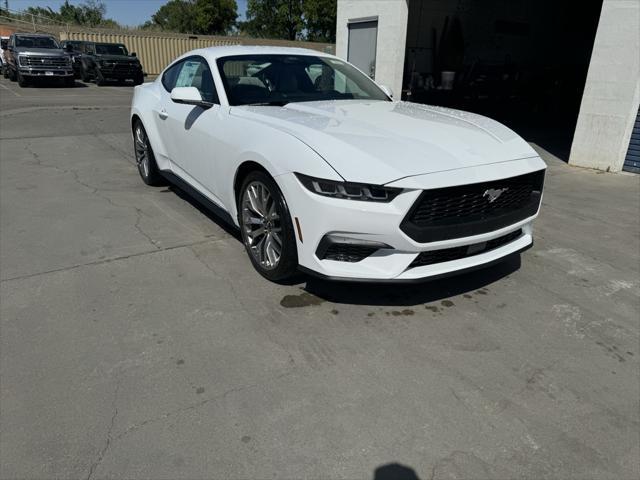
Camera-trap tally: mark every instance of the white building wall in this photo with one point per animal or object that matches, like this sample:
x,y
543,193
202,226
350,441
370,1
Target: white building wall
x,y
612,91
392,36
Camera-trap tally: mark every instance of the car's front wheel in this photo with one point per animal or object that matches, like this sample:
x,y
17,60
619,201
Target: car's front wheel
x,y
266,227
84,74
145,159
22,80
100,80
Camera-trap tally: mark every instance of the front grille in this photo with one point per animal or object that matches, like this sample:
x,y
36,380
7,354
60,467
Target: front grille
x,y
44,62
466,210
456,253
348,252
119,68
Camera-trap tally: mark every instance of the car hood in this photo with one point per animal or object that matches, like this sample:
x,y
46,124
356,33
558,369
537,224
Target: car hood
x,y
45,52
379,142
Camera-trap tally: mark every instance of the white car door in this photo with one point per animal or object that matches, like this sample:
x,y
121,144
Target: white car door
x,y
191,133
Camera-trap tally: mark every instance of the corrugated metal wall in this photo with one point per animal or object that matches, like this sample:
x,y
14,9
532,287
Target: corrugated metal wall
x,y
156,50
632,160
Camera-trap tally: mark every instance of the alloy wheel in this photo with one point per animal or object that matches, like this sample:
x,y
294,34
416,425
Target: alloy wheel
x,y
142,151
262,225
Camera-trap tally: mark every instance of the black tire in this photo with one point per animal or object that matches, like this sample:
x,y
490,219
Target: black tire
x,y
86,78
12,75
139,80
145,159
276,227
22,80
100,81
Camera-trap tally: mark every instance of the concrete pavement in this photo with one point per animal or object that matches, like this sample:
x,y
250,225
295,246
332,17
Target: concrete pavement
x,y
136,340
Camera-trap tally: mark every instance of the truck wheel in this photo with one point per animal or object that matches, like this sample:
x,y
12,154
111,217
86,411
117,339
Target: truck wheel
x,y
85,75
139,80
22,80
100,81
12,75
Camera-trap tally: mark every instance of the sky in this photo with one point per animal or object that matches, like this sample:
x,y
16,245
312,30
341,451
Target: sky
x,y
125,12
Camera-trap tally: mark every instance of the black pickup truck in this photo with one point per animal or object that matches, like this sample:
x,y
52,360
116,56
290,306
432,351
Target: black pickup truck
x,y
103,62
75,49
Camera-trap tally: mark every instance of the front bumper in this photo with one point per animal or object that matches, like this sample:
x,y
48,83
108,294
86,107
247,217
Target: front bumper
x,y
120,73
380,223
49,73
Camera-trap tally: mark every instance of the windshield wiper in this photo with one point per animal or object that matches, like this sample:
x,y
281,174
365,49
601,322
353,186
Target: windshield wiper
x,y
274,103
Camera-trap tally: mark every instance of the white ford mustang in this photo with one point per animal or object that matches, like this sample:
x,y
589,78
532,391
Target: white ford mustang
x,y
323,172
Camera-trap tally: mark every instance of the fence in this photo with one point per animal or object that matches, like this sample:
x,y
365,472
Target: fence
x,y
155,49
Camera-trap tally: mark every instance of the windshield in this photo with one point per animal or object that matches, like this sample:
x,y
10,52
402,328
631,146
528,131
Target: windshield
x,y
111,49
36,42
281,79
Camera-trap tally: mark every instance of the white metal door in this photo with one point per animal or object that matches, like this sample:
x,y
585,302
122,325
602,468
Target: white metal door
x,y
361,50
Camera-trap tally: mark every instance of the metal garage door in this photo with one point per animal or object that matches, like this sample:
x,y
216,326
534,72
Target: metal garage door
x,y
632,160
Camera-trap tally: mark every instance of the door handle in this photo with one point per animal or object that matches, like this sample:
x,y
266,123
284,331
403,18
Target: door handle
x,y
163,114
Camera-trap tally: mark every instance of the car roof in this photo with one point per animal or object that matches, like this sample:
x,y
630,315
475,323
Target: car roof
x,y
232,50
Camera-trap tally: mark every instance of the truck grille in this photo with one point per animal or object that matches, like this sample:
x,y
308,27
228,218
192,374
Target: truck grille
x,y
110,68
456,253
44,62
466,210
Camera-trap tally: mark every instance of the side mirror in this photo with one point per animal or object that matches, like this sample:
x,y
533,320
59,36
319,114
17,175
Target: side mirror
x,y
189,96
68,48
133,54
386,90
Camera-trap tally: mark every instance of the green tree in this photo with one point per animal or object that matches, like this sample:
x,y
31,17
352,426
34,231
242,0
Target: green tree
x,y
90,13
313,20
203,17
320,20
274,19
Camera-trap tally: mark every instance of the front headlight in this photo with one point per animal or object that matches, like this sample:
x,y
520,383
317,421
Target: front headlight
x,y
21,59
349,190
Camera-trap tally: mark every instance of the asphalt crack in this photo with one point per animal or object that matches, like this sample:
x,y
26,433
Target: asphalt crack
x,y
96,463
196,405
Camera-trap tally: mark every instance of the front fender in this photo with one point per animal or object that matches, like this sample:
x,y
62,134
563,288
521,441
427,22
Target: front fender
x,y
278,152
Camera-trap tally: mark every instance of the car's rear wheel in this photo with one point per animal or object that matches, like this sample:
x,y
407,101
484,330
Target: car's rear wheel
x,y
145,159
266,227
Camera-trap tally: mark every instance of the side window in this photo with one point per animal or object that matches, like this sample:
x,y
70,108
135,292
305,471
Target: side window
x,y
195,72
192,72
169,77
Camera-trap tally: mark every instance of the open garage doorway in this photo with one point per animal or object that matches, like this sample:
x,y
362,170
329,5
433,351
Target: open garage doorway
x,y
521,62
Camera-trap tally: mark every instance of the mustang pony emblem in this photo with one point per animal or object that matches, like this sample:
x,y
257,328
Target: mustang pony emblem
x,y
494,193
